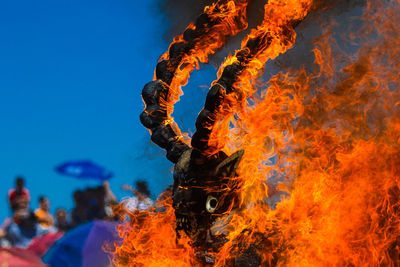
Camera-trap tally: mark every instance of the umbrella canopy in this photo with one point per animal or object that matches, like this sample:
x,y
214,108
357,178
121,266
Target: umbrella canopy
x,y
83,246
84,169
18,257
41,244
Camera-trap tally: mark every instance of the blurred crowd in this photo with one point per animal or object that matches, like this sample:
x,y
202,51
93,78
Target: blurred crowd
x,y
93,203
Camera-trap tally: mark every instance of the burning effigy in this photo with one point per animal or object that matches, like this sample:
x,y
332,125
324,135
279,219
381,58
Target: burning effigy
x,y
327,133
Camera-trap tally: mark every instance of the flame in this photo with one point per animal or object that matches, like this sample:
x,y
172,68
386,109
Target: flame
x,y
329,134
275,35
335,135
230,18
150,239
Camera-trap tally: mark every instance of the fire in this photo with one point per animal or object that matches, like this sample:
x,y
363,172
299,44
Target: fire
x,y
335,136
150,239
275,35
329,134
220,20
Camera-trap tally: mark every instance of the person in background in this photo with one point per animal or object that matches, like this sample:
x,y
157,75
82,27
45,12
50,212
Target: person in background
x,y
62,223
141,196
109,200
79,213
4,243
18,191
24,226
96,209
45,219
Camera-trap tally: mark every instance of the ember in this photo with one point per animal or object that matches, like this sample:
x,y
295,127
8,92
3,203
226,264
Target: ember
x,y
329,133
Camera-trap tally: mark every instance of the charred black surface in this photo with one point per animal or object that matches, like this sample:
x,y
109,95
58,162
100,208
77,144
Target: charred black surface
x,y
229,76
248,258
152,91
214,98
216,106
200,192
203,120
152,117
175,149
163,72
200,182
178,50
197,142
202,21
204,187
162,135
156,94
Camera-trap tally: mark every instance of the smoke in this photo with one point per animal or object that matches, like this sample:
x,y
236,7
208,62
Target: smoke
x,y
178,14
155,168
336,18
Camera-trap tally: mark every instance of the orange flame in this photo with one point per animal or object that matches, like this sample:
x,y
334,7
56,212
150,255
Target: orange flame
x,y
332,136
336,140
275,35
231,18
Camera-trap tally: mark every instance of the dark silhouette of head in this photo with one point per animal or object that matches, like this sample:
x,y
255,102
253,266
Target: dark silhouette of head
x,y
142,187
79,198
19,183
44,203
61,215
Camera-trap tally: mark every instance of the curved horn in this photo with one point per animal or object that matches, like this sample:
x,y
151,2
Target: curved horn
x,y
231,90
223,18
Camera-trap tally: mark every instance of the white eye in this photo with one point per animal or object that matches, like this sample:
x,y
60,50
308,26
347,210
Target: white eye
x,y
211,203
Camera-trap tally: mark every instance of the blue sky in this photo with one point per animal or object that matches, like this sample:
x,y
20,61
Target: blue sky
x,y
71,73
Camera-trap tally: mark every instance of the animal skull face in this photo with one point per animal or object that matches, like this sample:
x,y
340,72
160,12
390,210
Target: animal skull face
x,y
203,191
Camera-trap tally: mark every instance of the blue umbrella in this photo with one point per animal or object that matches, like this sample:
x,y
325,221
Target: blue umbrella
x,y
84,169
83,246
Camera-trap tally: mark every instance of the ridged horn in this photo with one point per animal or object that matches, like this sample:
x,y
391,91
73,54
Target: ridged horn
x,y
204,37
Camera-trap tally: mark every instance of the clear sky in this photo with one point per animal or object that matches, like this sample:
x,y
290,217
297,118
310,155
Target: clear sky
x,y
71,73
